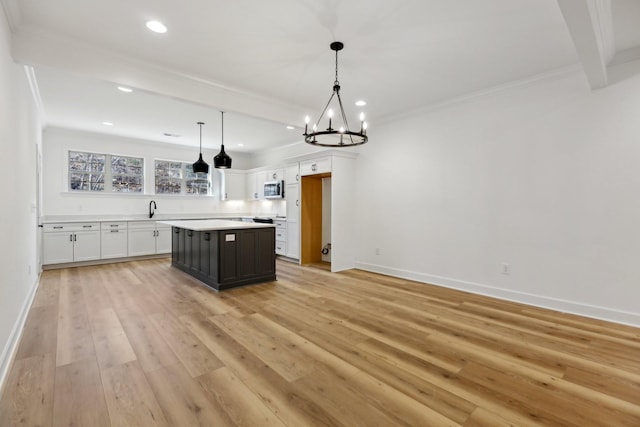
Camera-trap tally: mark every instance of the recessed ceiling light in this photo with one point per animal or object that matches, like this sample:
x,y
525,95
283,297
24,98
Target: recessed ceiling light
x,y
290,127
172,135
361,103
156,27
107,123
125,89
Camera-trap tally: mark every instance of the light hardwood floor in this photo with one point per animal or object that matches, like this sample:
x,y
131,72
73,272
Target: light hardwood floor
x,y
141,343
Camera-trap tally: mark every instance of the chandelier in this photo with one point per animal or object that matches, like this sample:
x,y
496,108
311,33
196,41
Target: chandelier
x,y
332,137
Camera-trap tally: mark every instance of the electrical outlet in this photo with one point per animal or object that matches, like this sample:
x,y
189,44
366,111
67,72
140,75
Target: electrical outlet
x,y
506,269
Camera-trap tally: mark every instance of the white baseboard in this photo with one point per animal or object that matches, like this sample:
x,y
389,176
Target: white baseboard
x,y
9,351
596,312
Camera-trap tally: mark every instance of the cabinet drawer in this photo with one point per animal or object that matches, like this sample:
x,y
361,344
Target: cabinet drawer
x,y
281,235
280,225
71,226
281,248
141,225
315,166
116,225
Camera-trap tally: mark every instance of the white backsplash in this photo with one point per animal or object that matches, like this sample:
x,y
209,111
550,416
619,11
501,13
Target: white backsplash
x,y
268,207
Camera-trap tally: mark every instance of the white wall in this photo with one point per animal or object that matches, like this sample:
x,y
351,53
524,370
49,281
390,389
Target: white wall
x,y
58,201
545,178
19,134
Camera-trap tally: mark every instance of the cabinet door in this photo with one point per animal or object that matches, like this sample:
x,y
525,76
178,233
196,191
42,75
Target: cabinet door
x,y
275,175
86,245
228,258
142,241
265,264
253,193
163,239
188,248
175,239
293,201
292,173
234,185
315,166
293,239
57,247
113,243
205,253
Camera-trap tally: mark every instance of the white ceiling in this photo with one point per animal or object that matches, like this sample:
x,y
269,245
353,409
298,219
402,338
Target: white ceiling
x,y
268,63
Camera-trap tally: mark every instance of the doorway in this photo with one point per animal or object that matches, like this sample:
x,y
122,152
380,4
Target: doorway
x,y
315,226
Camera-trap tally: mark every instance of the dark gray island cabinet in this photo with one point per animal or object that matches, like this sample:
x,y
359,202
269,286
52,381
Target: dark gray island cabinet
x,y
224,254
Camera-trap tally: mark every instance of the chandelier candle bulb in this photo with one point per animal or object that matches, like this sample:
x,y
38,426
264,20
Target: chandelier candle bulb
x,y
306,123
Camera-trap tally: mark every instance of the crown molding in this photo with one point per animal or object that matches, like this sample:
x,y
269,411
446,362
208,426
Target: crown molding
x,y
488,92
12,13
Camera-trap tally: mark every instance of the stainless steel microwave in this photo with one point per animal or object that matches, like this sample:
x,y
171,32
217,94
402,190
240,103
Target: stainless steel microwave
x,y
274,189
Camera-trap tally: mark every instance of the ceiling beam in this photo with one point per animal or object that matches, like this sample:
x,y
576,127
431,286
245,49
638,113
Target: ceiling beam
x,y
590,25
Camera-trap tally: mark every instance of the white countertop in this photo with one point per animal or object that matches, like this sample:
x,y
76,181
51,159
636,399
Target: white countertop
x,y
157,217
215,224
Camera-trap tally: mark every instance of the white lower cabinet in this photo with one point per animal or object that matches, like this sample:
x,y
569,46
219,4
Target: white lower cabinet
x,y
148,238
281,236
69,242
113,240
163,239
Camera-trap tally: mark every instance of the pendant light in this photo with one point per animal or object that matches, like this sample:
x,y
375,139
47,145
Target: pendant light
x,y
342,136
222,160
200,165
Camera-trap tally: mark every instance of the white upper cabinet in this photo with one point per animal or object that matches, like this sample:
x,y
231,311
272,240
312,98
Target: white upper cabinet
x,y
234,187
292,173
274,175
315,166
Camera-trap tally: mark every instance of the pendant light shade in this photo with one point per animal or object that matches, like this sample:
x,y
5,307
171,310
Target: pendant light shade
x,y
222,160
200,165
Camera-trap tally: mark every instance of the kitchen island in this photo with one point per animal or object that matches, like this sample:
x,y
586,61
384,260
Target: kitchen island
x,y
224,254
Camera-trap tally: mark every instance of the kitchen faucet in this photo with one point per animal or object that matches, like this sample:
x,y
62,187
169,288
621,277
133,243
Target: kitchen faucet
x,y
151,212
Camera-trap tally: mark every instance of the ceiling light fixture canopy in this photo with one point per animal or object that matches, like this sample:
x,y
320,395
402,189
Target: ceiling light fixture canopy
x,y
200,165
222,160
343,136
